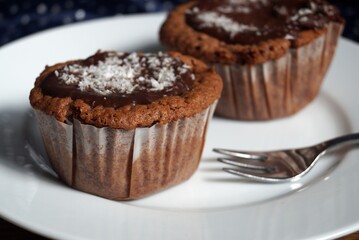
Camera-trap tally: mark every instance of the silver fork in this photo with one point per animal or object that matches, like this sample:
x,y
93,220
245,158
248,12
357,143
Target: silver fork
x,y
282,165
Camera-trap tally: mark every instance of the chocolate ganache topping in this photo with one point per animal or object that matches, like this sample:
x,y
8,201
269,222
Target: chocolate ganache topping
x,y
113,79
253,21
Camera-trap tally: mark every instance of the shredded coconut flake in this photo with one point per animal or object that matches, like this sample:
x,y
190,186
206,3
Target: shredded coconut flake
x,y
124,74
247,1
289,36
282,10
301,13
213,19
234,9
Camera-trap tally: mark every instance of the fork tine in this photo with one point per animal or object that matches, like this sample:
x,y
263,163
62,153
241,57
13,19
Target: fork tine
x,y
240,154
257,176
244,163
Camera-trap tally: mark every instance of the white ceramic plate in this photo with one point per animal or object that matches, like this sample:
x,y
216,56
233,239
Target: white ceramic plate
x,y
212,204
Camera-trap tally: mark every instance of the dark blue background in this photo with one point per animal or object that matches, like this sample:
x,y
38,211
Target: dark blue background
x,y
21,18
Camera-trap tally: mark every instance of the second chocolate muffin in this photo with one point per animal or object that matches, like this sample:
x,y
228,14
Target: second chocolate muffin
x,y
272,55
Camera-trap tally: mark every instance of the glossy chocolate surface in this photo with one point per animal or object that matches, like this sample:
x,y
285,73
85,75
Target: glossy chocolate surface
x,y
117,79
253,21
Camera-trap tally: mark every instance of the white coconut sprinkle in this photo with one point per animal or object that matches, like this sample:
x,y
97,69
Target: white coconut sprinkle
x,y
247,1
304,19
192,10
234,9
289,36
125,74
301,13
213,19
282,10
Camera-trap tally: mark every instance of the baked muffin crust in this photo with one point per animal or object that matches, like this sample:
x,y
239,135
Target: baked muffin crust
x,y
188,30
205,90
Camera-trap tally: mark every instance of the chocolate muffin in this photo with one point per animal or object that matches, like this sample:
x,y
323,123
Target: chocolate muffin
x,y
271,55
125,125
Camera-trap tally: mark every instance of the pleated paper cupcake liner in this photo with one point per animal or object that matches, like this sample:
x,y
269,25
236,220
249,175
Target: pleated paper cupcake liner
x,y
124,164
277,88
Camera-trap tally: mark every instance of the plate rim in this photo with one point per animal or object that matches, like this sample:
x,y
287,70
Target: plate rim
x,y
37,229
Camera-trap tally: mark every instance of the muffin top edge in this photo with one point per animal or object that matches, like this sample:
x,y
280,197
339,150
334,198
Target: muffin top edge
x,y
206,89
209,48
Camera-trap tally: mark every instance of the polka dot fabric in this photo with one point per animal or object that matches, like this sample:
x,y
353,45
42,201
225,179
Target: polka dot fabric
x,y
350,11
19,18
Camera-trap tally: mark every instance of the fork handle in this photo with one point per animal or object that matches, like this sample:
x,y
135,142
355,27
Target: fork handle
x,y
338,141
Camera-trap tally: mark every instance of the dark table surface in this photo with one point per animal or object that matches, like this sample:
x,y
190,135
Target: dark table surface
x,y
19,18
10,231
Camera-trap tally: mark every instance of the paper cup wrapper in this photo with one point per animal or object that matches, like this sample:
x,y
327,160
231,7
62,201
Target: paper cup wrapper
x,y
277,88
124,164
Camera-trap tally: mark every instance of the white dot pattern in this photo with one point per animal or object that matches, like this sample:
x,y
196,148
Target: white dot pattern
x,y
20,18
125,73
